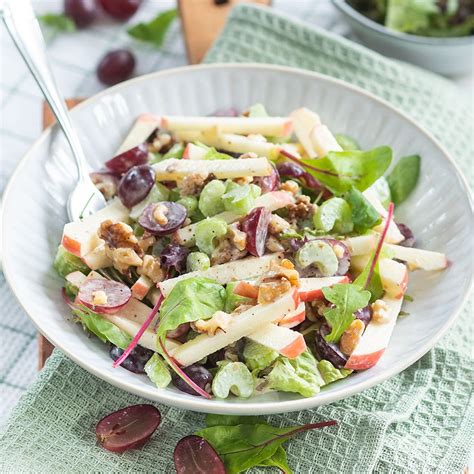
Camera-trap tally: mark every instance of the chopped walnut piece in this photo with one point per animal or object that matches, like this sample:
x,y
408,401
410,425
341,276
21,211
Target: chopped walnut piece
x,y
119,235
218,321
277,225
351,337
151,268
271,289
225,252
99,298
146,241
284,269
380,312
290,186
274,245
192,184
301,209
123,258
159,214
238,238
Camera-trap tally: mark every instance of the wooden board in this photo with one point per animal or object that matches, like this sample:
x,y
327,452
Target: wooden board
x,y
202,21
45,348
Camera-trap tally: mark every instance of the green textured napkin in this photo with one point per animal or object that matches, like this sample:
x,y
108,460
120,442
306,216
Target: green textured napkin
x,y
419,421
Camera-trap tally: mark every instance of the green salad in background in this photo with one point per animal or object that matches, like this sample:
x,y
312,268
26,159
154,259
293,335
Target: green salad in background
x,y
441,18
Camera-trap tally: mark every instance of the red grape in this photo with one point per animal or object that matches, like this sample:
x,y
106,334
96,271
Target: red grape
x,y
118,295
121,9
116,66
83,12
408,234
175,216
181,330
364,314
199,375
136,184
136,360
122,163
194,455
328,350
128,428
255,225
268,183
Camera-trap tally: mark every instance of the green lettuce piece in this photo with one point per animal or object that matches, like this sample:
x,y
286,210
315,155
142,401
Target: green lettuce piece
x,y
241,199
231,299
213,154
210,200
329,373
346,142
103,329
410,16
334,215
158,193
258,356
66,263
299,375
208,232
364,215
232,377
71,290
340,170
190,300
176,151
382,190
158,371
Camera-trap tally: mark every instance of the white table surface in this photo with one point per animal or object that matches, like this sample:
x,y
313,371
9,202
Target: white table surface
x,y
73,58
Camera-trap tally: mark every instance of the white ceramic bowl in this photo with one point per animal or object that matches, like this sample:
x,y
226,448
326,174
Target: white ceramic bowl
x,y
439,212
448,56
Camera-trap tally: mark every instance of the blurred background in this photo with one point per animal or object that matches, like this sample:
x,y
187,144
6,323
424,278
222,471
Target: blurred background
x,y
78,49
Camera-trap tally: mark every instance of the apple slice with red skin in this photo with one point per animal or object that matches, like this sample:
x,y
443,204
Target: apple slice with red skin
x,y
141,287
194,152
283,340
375,339
294,318
311,289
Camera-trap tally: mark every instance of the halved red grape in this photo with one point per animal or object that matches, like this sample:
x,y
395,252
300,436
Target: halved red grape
x,y
120,164
173,256
116,66
83,12
175,215
106,182
181,330
268,183
292,170
136,360
364,314
194,455
328,350
255,225
136,184
409,240
128,428
117,295
121,9
199,375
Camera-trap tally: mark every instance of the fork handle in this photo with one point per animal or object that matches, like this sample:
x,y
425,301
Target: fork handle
x,y
23,27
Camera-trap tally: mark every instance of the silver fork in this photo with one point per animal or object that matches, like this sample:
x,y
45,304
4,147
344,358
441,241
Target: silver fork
x,y
24,29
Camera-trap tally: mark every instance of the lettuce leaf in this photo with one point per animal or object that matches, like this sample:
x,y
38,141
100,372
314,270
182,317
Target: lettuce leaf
x,y
158,371
329,373
190,300
103,329
258,356
298,375
66,263
232,377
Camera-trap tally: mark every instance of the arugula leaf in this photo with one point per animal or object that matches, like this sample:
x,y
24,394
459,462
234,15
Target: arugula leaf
x,y
154,32
403,178
244,446
341,170
364,215
57,22
190,300
231,420
103,329
299,375
347,299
